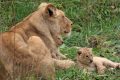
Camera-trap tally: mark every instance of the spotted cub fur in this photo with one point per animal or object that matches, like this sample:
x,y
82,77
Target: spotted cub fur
x,y
87,61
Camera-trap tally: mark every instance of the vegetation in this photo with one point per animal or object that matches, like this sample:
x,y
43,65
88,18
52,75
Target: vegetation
x,y
96,24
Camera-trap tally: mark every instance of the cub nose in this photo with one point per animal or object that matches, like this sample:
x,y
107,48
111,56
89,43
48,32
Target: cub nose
x,y
71,23
91,61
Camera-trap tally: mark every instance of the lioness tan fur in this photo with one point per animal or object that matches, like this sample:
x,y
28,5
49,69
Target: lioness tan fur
x,y
30,46
86,60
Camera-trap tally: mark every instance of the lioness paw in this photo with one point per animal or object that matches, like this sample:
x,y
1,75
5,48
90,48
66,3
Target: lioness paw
x,y
118,66
64,64
68,64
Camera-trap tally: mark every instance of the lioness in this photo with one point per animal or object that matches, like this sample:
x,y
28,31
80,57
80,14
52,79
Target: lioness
x,y
50,25
27,46
86,60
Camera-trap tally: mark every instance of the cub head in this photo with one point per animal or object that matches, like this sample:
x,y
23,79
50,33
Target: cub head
x,y
84,55
58,40
56,20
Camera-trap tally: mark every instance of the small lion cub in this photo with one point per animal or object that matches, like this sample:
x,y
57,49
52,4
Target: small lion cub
x,y
87,61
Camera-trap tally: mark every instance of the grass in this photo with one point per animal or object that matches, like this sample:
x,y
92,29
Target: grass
x,y
96,24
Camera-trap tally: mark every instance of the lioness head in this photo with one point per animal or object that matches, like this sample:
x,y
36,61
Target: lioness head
x,y
84,55
51,21
58,23
57,17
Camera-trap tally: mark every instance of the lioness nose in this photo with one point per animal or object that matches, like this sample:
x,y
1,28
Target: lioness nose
x,y
66,31
71,23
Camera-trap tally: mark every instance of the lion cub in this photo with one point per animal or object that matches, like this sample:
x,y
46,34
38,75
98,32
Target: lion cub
x,y
87,61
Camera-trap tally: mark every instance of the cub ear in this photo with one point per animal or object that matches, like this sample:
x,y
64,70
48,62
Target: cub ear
x,y
79,52
90,49
50,10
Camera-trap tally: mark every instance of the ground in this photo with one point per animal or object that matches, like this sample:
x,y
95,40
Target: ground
x,y
96,24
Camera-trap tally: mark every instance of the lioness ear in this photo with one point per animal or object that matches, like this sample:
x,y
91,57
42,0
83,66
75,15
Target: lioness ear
x,y
50,10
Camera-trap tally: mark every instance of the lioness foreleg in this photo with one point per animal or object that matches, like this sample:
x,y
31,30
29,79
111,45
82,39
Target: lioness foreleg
x,y
45,63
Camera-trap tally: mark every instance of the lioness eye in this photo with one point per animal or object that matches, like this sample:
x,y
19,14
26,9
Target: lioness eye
x,y
86,56
62,16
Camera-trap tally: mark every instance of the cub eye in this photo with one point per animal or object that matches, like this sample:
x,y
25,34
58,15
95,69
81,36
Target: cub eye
x,y
86,56
58,38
